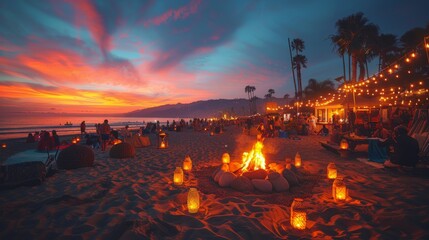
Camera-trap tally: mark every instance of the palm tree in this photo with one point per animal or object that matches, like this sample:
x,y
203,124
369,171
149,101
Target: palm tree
x,y
356,37
387,48
250,90
299,61
315,89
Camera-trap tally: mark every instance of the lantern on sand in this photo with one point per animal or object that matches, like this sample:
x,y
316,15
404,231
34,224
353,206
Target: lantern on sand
x,y
193,200
298,162
298,215
339,190
331,171
225,167
344,144
187,163
162,140
288,164
226,158
178,176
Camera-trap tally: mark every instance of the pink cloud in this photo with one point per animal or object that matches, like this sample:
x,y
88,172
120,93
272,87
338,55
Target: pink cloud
x,y
180,13
94,23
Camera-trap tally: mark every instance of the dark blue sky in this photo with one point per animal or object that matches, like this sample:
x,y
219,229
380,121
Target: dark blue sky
x,y
91,56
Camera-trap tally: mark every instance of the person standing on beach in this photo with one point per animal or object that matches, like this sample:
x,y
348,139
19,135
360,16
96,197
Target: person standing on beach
x,y
82,128
105,134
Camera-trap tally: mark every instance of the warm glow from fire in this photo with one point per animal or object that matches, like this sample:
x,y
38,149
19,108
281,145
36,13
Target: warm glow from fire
x,y
254,160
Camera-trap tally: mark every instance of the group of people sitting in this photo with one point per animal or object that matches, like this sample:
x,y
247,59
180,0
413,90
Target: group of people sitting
x,y
45,140
405,148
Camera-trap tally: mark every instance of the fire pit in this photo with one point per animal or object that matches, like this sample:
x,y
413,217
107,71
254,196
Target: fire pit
x,y
252,173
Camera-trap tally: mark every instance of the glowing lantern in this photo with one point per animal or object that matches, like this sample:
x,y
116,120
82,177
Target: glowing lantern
x,y
178,176
74,141
226,158
77,139
193,200
211,133
288,164
225,167
162,140
332,171
3,145
187,163
344,144
339,190
298,216
298,160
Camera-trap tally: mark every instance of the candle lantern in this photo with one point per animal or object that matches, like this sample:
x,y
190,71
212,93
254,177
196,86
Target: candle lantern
x,y
162,140
225,167
187,163
178,176
288,164
344,144
226,158
298,160
3,145
339,190
332,171
211,133
193,200
298,215
74,141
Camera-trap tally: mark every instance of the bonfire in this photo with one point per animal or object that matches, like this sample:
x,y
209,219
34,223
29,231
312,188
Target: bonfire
x,y
253,160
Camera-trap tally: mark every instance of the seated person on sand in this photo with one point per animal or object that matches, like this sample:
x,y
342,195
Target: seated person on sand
x,y
381,132
55,139
406,149
30,138
324,131
125,133
45,142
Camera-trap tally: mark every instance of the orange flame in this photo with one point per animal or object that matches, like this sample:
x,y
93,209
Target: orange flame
x,y
254,160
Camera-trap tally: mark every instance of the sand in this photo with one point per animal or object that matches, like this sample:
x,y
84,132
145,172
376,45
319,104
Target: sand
x,y
136,199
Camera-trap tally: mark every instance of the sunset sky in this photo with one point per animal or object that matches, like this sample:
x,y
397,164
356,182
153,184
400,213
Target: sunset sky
x,y
117,56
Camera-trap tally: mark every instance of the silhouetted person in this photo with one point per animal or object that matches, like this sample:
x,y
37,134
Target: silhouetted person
x,y
30,138
324,131
82,128
406,148
105,134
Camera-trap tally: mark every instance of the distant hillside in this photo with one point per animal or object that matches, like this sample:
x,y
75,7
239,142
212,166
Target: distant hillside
x,y
204,109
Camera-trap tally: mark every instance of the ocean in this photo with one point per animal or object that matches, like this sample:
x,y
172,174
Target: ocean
x,y
18,126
